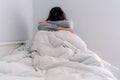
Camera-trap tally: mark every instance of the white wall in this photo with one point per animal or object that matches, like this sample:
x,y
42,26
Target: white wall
x,y
16,20
96,21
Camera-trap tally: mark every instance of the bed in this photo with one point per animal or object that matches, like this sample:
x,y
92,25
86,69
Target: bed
x,y
56,56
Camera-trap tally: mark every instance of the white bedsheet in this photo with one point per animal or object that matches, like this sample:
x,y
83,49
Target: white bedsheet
x,y
60,55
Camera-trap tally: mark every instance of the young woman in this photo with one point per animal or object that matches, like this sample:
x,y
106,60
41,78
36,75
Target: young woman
x,y
56,21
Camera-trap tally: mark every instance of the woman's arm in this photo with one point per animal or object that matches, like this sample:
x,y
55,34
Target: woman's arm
x,y
67,29
43,25
42,21
63,23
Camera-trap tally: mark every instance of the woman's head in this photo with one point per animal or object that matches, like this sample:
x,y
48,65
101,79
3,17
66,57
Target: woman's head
x,y
56,14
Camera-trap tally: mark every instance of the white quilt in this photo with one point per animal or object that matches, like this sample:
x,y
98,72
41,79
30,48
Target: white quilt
x,y
59,55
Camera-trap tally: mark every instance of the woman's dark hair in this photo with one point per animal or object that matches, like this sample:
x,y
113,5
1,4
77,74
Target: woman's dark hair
x,y
56,14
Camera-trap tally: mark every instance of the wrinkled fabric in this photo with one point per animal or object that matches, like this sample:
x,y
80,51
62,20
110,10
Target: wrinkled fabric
x,y
58,55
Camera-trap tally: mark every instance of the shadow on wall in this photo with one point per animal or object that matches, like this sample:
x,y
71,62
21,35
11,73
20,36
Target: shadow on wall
x,y
21,25
17,20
